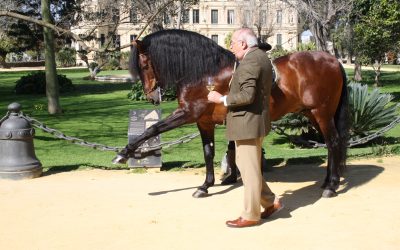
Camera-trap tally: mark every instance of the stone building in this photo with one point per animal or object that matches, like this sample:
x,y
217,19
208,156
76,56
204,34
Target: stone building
x,y
272,20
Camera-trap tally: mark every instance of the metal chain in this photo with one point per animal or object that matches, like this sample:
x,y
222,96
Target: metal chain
x,y
350,143
141,149
188,138
376,134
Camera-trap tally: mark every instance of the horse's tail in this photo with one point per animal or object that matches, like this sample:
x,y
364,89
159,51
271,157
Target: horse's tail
x,y
342,121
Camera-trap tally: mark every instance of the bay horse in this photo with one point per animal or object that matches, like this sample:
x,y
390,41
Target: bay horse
x,y
312,83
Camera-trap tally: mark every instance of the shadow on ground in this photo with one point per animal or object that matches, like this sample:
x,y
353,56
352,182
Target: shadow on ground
x,y
355,176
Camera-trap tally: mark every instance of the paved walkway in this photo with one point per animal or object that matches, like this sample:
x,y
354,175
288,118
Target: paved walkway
x,y
98,209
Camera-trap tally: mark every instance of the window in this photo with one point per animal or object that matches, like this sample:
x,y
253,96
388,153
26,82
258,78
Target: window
x,y
214,16
116,41
133,18
166,18
279,16
196,16
247,18
279,39
263,17
102,39
231,16
214,38
185,16
115,17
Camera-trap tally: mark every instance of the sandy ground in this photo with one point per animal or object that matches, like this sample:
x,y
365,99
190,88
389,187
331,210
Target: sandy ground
x,y
98,209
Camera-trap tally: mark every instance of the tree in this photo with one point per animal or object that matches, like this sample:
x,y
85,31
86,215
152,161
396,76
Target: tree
x,y
7,45
377,31
321,16
52,88
87,20
256,13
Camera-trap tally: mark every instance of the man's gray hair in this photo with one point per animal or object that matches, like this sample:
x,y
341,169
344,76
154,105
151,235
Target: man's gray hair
x,y
247,35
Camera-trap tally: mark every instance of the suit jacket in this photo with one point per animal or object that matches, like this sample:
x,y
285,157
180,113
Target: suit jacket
x,y
248,99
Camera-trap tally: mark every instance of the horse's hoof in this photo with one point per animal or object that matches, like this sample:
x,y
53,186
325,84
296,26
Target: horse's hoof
x,y
119,159
200,193
229,180
328,193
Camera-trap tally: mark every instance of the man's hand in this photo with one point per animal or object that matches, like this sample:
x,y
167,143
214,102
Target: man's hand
x,y
215,97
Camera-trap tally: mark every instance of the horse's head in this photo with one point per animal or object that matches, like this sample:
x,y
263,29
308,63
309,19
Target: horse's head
x,y
146,73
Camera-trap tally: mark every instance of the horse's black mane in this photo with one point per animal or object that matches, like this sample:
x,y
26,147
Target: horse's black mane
x,y
182,57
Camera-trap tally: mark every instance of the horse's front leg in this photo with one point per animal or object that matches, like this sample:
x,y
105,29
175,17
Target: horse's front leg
x,y
207,138
176,119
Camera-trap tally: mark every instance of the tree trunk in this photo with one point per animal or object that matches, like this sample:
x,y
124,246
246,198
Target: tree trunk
x,y
3,63
349,57
377,68
52,88
320,35
357,71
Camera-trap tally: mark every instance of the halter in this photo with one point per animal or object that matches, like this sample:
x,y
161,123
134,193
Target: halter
x,y
154,88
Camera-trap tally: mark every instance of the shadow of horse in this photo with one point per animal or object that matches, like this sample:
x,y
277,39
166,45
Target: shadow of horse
x,y
226,190
355,176
168,166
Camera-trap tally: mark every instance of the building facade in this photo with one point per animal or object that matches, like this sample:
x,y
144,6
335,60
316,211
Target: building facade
x,y
272,20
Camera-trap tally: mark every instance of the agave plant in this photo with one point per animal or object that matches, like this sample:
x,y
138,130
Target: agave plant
x,y
294,124
369,110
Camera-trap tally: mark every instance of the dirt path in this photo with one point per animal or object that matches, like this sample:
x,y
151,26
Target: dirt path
x,y
97,209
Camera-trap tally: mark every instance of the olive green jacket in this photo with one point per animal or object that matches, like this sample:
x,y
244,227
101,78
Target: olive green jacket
x,y
248,99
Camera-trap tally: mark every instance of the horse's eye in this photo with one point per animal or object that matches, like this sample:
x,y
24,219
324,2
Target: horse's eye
x,y
145,66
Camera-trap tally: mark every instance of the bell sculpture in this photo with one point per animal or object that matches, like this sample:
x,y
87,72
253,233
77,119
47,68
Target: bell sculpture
x,y
17,153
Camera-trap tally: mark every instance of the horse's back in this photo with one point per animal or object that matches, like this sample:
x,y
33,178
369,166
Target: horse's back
x,y
310,78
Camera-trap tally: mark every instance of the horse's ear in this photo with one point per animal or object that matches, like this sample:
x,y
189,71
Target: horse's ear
x,y
139,45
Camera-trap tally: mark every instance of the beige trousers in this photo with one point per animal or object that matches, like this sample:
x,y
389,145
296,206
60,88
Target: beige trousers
x,y
256,191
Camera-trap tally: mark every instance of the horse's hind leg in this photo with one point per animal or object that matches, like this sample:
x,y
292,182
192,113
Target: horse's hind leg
x,y
331,136
231,164
207,138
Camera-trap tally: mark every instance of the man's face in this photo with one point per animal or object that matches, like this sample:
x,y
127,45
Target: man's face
x,y
237,46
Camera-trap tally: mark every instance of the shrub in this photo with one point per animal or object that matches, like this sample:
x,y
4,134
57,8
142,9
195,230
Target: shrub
x,y
278,51
112,64
137,93
169,94
369,111
124,60
306,46
35,83
66,57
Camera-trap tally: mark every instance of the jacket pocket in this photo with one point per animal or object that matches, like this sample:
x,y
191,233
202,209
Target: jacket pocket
x,y
239,113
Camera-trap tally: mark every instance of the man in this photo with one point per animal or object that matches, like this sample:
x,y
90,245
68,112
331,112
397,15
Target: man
x,y
247,123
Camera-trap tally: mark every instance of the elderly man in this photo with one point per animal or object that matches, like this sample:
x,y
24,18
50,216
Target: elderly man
x,y
248,122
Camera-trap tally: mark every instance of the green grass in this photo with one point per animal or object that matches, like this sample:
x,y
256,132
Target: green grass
x,y
98,112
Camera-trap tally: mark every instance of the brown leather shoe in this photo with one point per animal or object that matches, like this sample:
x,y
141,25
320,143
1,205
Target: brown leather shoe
x,y
240,222
278,206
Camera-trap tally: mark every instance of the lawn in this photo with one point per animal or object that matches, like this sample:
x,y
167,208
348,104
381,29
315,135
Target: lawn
x,y
98,112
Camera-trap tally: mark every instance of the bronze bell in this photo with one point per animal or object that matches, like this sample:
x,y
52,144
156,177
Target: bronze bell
x,y
17,153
